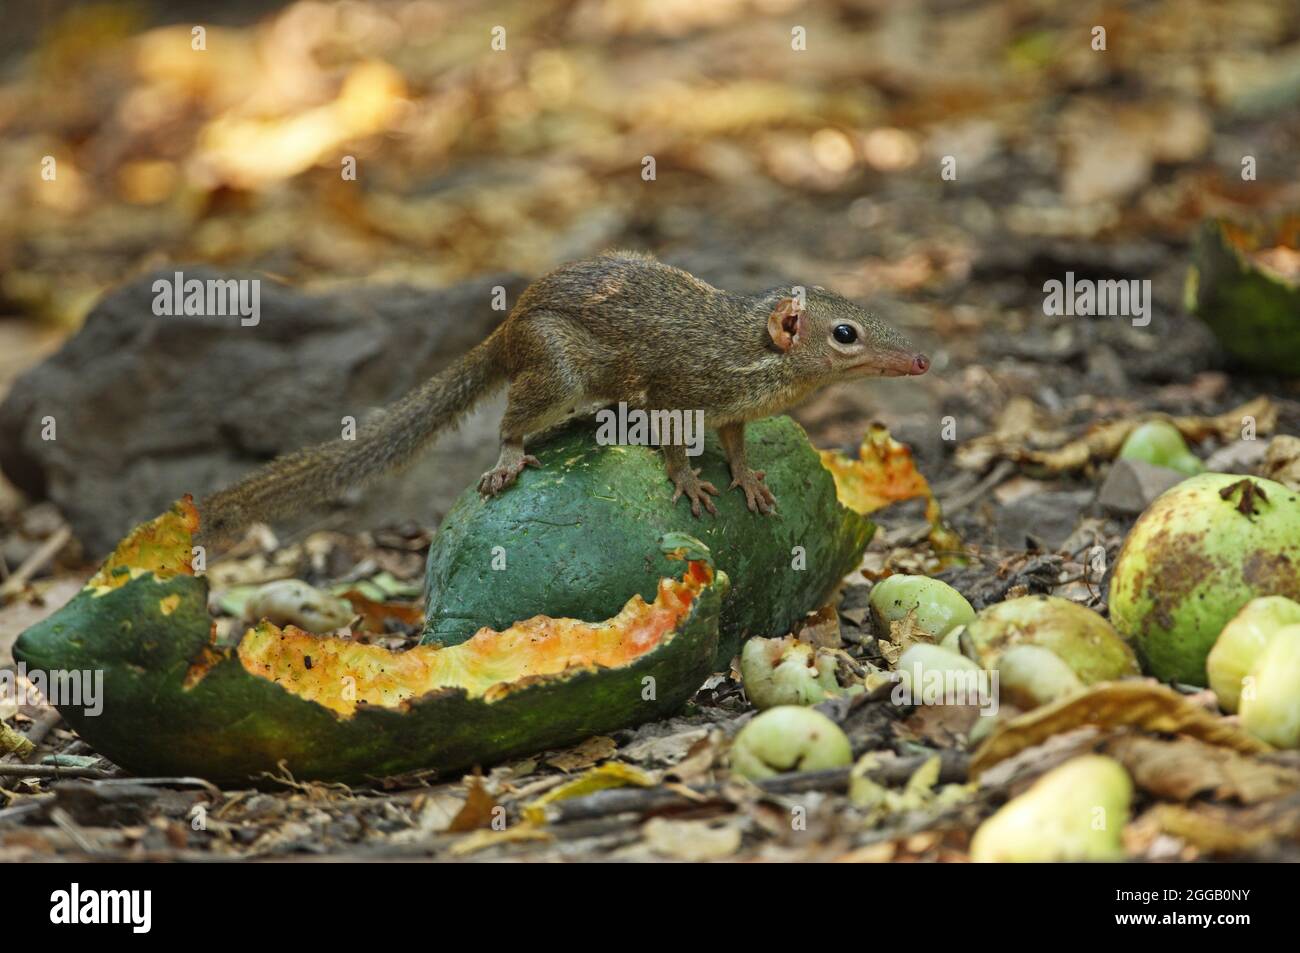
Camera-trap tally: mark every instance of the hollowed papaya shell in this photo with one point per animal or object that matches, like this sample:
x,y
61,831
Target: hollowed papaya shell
x,y
176,703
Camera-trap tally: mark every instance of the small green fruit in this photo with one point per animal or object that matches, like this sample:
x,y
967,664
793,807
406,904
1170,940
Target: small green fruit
x,y
786,672
789,738
1030,675
933,657
1076,812
1198,554
952,641
1158,442
938,607
1241,642
930,675
1082,639
1270,704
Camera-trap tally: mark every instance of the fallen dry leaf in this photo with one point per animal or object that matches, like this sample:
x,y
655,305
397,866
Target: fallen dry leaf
x,y
1181,769
665,749
478,811
1282,461
885,473
1218,829
12,742
483,839
375,614
583,755
822,629
1146,705
691,840
612,774
1103,441
700,760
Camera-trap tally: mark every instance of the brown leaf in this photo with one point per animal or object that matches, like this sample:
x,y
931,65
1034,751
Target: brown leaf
x,y
478,809
375,614
1282,461
1145,705
584,755
1103,441
1218,829
886,473
700,760
822,629
1180,770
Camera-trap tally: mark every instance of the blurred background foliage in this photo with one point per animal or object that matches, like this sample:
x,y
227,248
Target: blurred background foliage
x,y
823,162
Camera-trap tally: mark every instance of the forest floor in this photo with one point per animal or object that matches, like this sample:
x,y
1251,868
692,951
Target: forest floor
x,y
1068,160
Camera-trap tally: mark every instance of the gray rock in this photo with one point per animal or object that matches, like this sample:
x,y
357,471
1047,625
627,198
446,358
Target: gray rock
x,y
1240,456
1131,486
148,408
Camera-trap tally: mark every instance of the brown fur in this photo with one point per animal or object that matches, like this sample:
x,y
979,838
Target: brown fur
x,y
618,327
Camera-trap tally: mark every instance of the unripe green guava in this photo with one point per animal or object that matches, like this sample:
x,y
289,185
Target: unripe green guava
x,y
1198,554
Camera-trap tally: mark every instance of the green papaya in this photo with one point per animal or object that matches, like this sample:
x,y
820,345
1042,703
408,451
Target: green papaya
x,y
1253,310
577,535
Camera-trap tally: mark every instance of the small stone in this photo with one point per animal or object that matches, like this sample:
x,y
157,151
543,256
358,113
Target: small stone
x,y
1240,456
149,407
1132,485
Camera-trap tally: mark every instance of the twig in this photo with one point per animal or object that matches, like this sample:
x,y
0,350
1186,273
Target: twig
x,y
34,563
19,811
1003,470
53,771
63,820
645,800
42,727
178,781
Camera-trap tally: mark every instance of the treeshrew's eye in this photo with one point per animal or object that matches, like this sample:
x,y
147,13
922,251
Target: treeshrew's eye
x,y
845,333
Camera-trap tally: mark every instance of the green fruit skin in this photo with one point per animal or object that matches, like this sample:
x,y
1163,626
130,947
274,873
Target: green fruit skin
x,y
789,738
1271,710
1081,638
580,535
233,726
1192,561
1056,819
933,657
952,641
1241,642
938,606
1158,442
1030,675
785,672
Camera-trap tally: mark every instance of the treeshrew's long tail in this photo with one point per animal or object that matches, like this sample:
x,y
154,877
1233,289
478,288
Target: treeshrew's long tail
x,y
314,474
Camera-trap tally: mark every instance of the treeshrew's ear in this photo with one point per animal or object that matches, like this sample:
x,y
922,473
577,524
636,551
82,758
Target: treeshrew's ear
x,y
786,324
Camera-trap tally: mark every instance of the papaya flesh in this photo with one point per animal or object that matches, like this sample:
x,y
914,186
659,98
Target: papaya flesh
x,y
176,703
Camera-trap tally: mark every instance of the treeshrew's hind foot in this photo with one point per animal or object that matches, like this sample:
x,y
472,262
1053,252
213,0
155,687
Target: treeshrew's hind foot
x,y
505,473
758,497
688,482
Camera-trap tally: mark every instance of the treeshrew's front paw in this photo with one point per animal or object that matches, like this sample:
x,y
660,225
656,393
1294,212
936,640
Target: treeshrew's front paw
x,y
504,474
697,491
758,497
